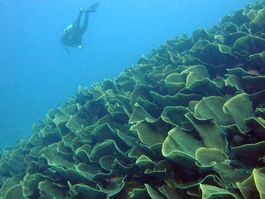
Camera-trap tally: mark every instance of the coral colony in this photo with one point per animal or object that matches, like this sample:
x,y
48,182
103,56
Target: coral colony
x,y
186,121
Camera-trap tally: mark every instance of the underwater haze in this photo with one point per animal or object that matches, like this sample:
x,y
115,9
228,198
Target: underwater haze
x,y
37,74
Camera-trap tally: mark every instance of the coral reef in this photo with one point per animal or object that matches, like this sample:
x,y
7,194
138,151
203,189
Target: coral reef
x,y
186,121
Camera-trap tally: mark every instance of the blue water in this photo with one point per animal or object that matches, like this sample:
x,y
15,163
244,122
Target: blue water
x,y
36,74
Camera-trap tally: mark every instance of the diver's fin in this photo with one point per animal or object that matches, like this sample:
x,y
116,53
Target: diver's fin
x,y
92,8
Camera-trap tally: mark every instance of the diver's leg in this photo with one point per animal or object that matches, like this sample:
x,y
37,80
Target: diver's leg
x,y
77,21
84,27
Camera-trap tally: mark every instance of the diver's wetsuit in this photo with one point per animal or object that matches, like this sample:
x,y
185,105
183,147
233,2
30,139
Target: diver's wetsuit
x,y
72,35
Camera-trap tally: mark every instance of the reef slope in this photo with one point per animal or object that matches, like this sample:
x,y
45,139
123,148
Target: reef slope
x,y
185,122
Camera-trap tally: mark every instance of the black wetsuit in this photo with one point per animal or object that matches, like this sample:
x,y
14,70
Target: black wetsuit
x,y
72,35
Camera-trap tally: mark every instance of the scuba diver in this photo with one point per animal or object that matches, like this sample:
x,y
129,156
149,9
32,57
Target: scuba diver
x,y
72,35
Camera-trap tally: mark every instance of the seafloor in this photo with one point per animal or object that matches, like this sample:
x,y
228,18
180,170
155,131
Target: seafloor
x,y
185,122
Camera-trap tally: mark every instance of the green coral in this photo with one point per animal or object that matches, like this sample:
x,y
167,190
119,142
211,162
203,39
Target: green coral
x,y
187,121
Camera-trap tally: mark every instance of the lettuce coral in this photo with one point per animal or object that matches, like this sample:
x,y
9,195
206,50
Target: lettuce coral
x,y
185,122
